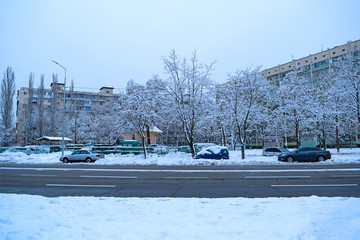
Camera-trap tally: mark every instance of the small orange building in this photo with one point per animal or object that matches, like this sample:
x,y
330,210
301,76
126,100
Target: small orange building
x,y
134,135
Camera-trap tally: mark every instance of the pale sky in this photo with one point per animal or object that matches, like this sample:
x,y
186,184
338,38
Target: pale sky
x,y
109,42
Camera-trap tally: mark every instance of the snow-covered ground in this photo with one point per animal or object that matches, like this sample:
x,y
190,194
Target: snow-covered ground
x,y
253,156
36,217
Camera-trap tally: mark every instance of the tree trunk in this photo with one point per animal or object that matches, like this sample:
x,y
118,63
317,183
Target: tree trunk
x,y
143,145
337,139
243,151
148,134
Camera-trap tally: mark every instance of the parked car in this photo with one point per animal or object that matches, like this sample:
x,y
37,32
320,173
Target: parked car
x,y
213,152
161,150
274,151
29,149
81,156
185,149
305,154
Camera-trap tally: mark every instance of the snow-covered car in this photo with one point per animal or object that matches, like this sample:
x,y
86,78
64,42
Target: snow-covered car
x,y
274,151
81,156
213,152
305,154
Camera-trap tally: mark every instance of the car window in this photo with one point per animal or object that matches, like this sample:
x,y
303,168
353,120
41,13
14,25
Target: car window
x,y
76,153
84,152
269,150
209,152
277,150
304,149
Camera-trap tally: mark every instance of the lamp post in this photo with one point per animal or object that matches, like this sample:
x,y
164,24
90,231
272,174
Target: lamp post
x,y
63,123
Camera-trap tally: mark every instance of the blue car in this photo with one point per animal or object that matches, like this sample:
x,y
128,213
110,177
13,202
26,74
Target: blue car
x,y
305,154
213,152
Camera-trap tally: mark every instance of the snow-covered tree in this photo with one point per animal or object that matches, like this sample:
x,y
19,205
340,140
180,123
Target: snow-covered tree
x,y
6,106
188,87
246,101
136,110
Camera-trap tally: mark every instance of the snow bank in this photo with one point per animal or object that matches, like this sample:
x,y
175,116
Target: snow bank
x,y
36,217
179,158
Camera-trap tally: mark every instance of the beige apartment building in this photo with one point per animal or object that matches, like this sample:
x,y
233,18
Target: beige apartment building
x,y
313,65
98,102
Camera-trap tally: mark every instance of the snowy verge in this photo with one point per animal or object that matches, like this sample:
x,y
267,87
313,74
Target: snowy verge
x,y
252,157
37,217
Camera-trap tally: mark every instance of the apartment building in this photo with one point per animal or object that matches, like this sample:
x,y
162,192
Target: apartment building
x,y
314,65
53,98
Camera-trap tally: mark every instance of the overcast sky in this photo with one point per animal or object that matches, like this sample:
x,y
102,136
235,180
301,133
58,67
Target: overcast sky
x,y
107,43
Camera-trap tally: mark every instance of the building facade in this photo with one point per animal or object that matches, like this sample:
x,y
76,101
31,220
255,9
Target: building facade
x,y
53,100
313,65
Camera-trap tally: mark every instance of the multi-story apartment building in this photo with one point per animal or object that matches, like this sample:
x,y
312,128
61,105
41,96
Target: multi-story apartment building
x,y
53,99
313,65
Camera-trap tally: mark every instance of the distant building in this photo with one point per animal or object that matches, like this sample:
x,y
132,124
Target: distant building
x,y
134,135
100,102
313,65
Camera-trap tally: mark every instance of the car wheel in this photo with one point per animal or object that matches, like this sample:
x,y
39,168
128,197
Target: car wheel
x,y
290,159
321,158
88,160
65,160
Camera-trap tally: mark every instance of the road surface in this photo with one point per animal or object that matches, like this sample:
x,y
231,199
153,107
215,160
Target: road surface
x,y
292,180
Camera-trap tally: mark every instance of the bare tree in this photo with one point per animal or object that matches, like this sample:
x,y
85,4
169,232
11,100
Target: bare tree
x,y
29,132
6,106
54,123
40,106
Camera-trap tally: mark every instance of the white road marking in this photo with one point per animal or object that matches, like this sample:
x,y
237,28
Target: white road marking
x,y
75,185
345,176
187,171
275,177
37,175
121,177
318,185
186,177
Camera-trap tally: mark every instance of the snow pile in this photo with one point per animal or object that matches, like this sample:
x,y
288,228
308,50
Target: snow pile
x,y
253,156
37,217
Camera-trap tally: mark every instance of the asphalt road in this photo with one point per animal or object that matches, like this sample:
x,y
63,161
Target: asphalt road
x,y
292,180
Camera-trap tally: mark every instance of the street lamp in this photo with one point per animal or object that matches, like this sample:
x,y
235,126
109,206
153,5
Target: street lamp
x,y
63,123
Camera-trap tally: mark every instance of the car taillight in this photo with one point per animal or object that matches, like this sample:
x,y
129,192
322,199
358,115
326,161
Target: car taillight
x,y
328,152
97,155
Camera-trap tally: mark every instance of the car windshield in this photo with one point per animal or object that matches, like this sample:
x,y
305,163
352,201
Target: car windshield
x,y
284,149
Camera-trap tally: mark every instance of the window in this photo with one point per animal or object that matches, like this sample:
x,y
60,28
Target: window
x,y
25,93
325,62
